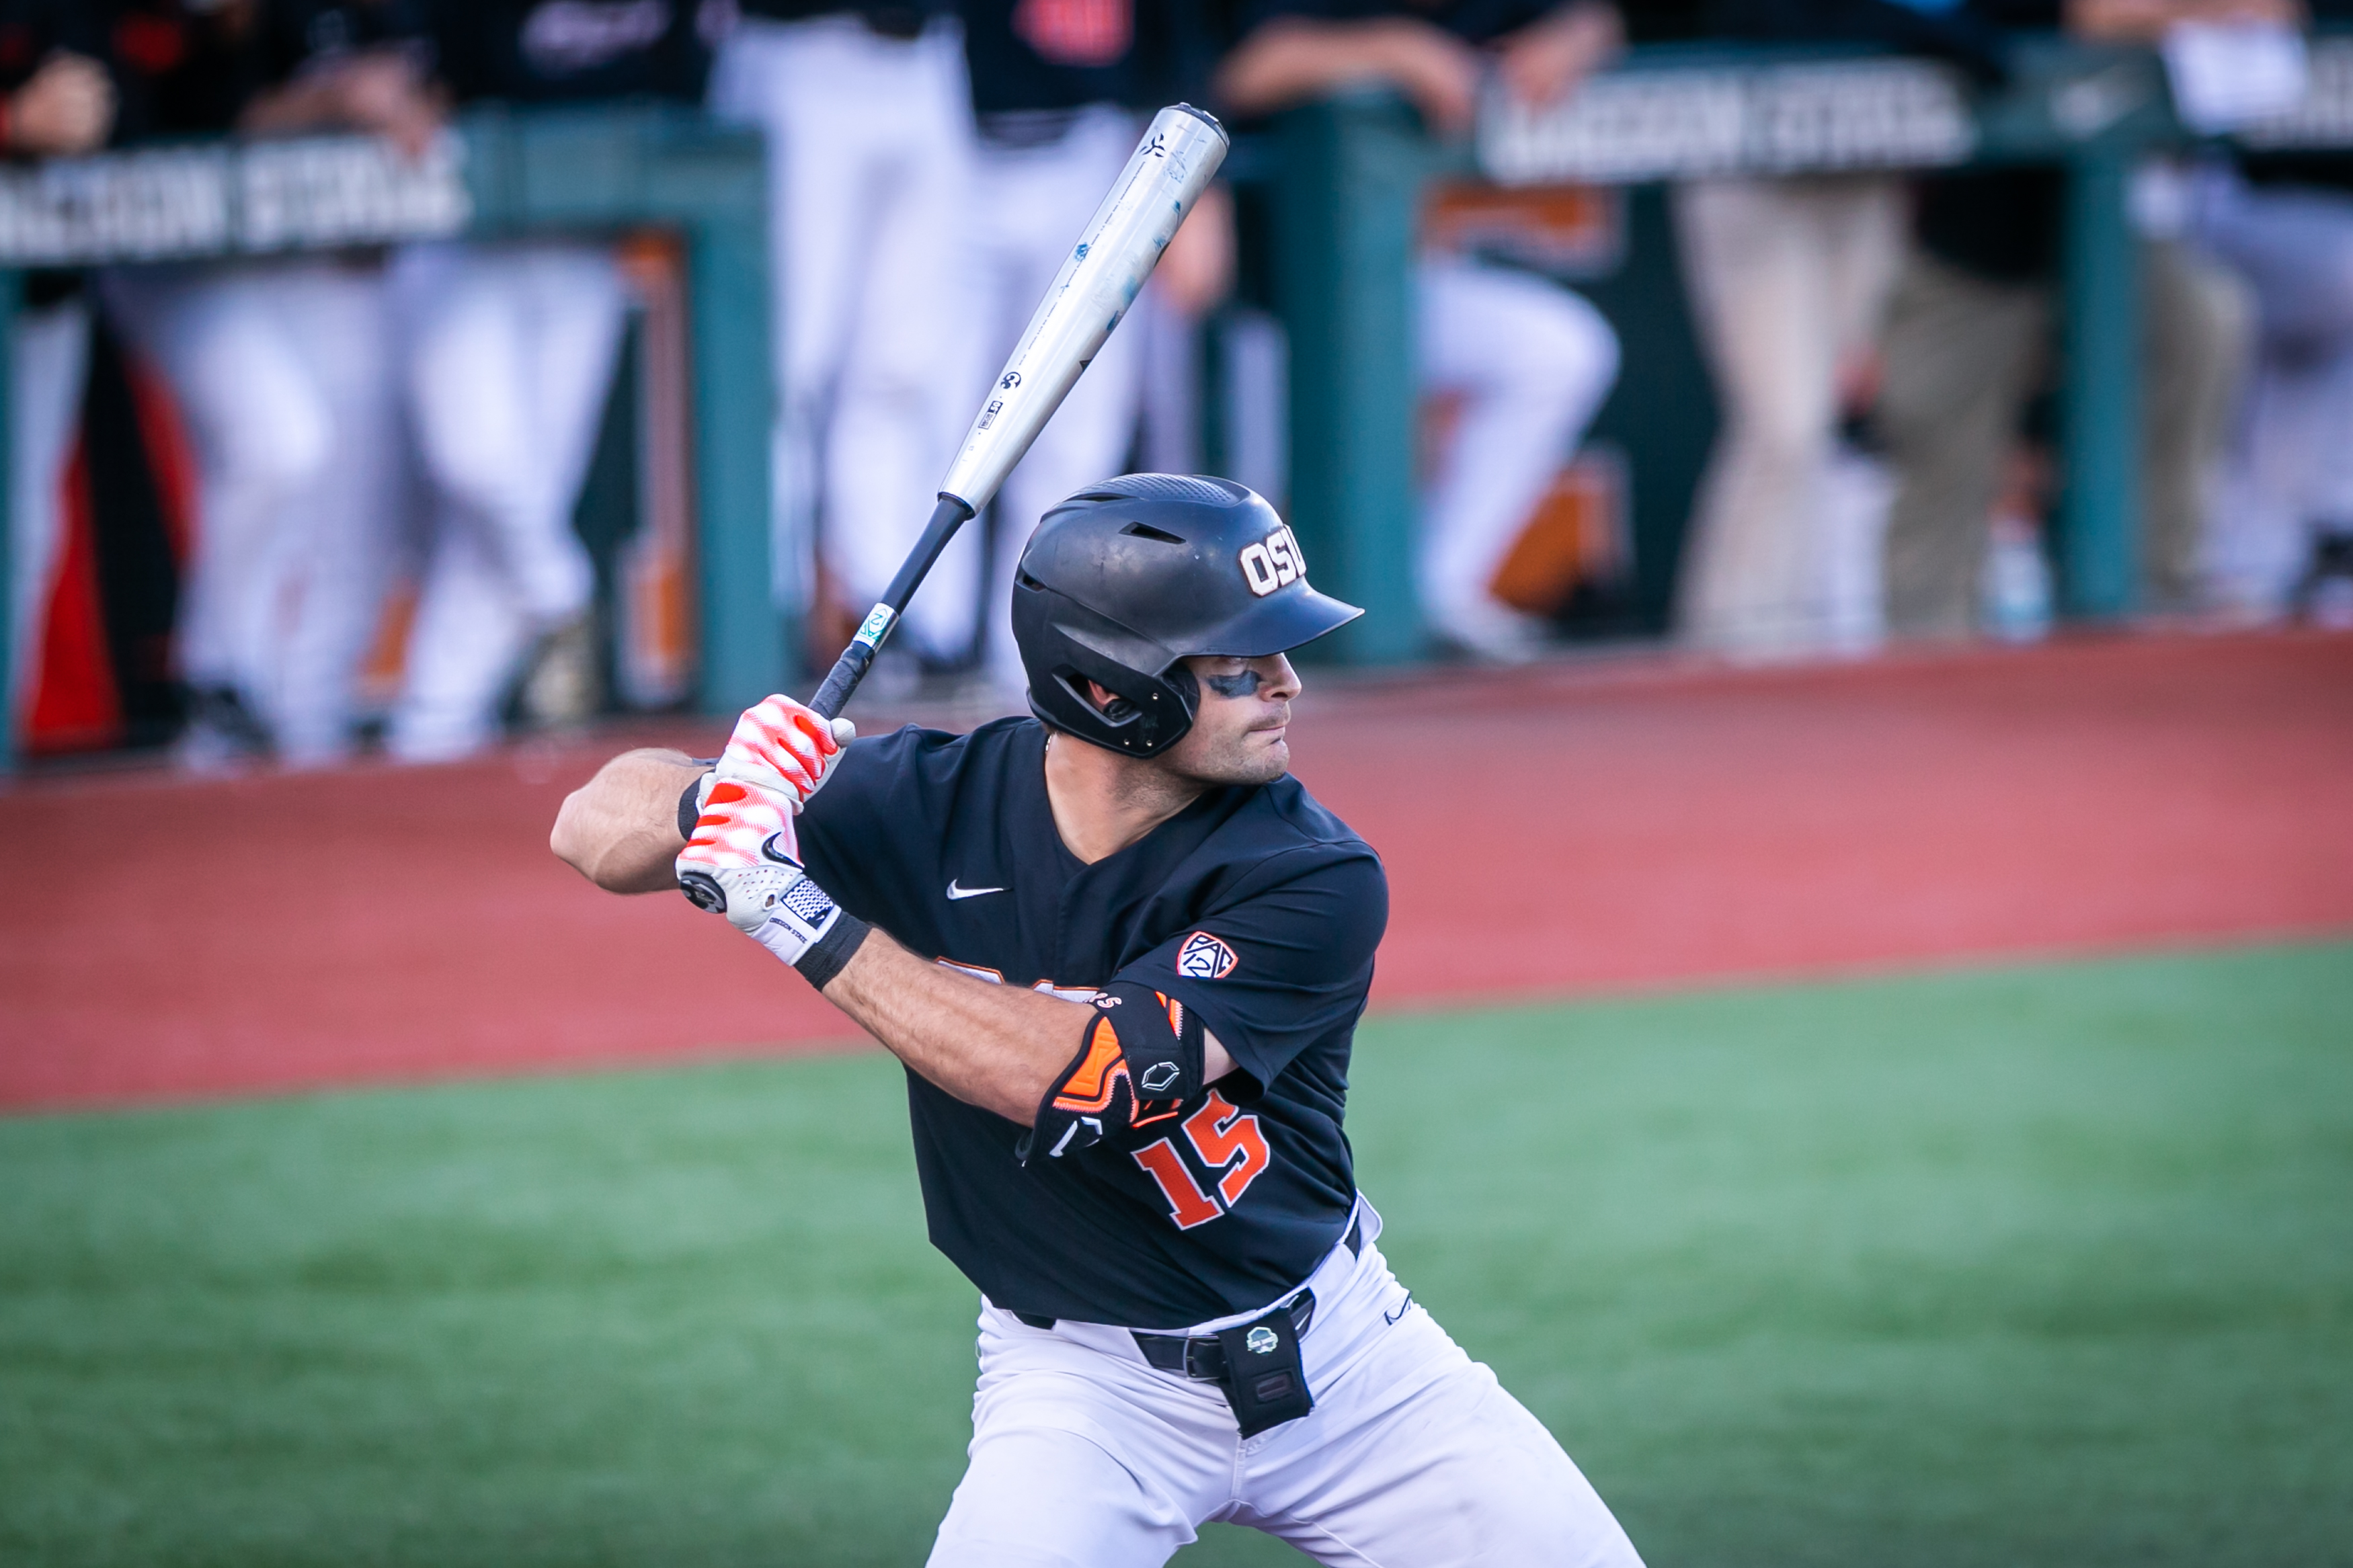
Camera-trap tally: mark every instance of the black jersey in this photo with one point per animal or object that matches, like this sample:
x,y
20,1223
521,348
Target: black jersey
x,y
1254,906
1473,21
185,68
180,69
297,36
1028,56
32,30
553,51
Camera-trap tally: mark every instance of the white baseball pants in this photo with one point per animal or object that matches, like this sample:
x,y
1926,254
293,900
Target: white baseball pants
x,y
1789,278
2292,468
1084,1456
1531,362
509,357
330,575
1033,203
870,192
280,371
48,354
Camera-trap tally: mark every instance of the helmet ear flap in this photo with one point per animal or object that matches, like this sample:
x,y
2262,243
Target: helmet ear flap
x,y
1122,581
1175,680
1180,678
1146,714
1118,711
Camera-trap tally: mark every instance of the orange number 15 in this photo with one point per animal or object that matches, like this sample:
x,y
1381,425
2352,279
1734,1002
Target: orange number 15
x,y
1228,1141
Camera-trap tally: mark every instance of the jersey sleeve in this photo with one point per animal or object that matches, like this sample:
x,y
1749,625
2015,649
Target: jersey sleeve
x,y
843,838
1286,962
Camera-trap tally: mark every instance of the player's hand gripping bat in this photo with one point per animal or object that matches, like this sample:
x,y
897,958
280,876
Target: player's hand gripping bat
x,y
1172,166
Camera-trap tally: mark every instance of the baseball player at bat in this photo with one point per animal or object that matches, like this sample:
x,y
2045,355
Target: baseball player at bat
x,y
1121,954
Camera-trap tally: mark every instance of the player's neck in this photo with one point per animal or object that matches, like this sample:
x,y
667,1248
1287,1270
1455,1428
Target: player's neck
x,y
1103,802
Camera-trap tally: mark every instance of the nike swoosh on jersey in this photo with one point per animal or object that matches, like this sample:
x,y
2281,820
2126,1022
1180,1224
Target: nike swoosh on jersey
x,y
956,893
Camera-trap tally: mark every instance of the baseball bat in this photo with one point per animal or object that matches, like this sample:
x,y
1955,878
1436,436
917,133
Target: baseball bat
x,y
1099,280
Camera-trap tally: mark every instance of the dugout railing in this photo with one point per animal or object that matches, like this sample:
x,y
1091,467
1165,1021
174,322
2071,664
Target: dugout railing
x,y
1345,181
502,174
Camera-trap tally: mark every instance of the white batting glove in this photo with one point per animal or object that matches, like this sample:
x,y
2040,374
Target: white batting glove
x,y
784,747
743,862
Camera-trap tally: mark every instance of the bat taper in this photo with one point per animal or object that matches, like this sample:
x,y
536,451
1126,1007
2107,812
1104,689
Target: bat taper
x,y
1105,270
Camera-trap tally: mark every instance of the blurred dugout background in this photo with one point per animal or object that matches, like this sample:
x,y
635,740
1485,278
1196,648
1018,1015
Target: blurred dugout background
x,y
1875,1109
414,492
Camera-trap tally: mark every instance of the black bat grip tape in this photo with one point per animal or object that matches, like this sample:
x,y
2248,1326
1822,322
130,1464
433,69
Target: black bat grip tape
x,y
851,669
847,672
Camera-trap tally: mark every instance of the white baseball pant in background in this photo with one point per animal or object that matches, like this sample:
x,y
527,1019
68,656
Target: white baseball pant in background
x,y
48,364
509,358
1414,1457
327,576
2290,468
1531,364
1788,279
1033,204
277,369
869,196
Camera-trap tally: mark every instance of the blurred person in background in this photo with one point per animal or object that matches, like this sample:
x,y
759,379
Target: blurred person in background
x,y
1967,344
869,124
56,102
1530,360
1057,86
507,354
1788,281
2284,222
279,368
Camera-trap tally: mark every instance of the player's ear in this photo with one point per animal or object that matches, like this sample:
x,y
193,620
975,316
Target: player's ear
x,y
1109,703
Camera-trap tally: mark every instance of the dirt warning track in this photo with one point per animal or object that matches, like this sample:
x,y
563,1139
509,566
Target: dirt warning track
x,y
1547,832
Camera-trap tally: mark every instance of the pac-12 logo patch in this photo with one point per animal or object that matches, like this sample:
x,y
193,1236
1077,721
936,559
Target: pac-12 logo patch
x,y
1204,957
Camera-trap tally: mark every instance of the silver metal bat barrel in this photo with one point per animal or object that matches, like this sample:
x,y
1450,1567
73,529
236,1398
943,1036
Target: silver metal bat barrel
x,y
1099,280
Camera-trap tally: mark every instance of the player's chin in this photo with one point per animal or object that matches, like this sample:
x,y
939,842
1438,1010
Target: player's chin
x,y
1261,761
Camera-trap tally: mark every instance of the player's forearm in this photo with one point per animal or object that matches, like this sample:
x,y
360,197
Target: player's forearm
x,y
1292,60
621,829
2147,21
303,105
997,1047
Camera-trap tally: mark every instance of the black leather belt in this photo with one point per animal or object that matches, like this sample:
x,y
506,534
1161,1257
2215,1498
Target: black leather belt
x,y
900,22
888,18
1200,1357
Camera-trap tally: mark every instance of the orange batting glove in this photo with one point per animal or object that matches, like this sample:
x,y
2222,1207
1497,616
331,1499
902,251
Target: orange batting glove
x,y
784,747
743,843
743,862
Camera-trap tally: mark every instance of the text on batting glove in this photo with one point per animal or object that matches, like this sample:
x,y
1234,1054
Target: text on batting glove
x,y
744,863
786,747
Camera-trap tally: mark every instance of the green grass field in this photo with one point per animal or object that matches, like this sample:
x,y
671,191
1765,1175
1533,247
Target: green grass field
x,y
2048,1265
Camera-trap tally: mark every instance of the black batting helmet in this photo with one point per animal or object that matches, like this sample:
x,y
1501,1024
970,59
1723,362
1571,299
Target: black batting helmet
x,y
1127,578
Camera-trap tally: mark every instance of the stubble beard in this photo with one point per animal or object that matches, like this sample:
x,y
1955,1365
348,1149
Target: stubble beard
x,y
1233,761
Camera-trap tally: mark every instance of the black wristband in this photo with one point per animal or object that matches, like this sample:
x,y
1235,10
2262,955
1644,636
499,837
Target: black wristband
x,y
828,955
689,807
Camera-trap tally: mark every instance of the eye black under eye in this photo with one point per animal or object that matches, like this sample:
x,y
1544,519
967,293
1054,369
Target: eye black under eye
x,y
1243,683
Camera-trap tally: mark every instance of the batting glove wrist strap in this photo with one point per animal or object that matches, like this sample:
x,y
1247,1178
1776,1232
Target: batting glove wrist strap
x,y
1139,1061
690,799
831,951
744,863
777,905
